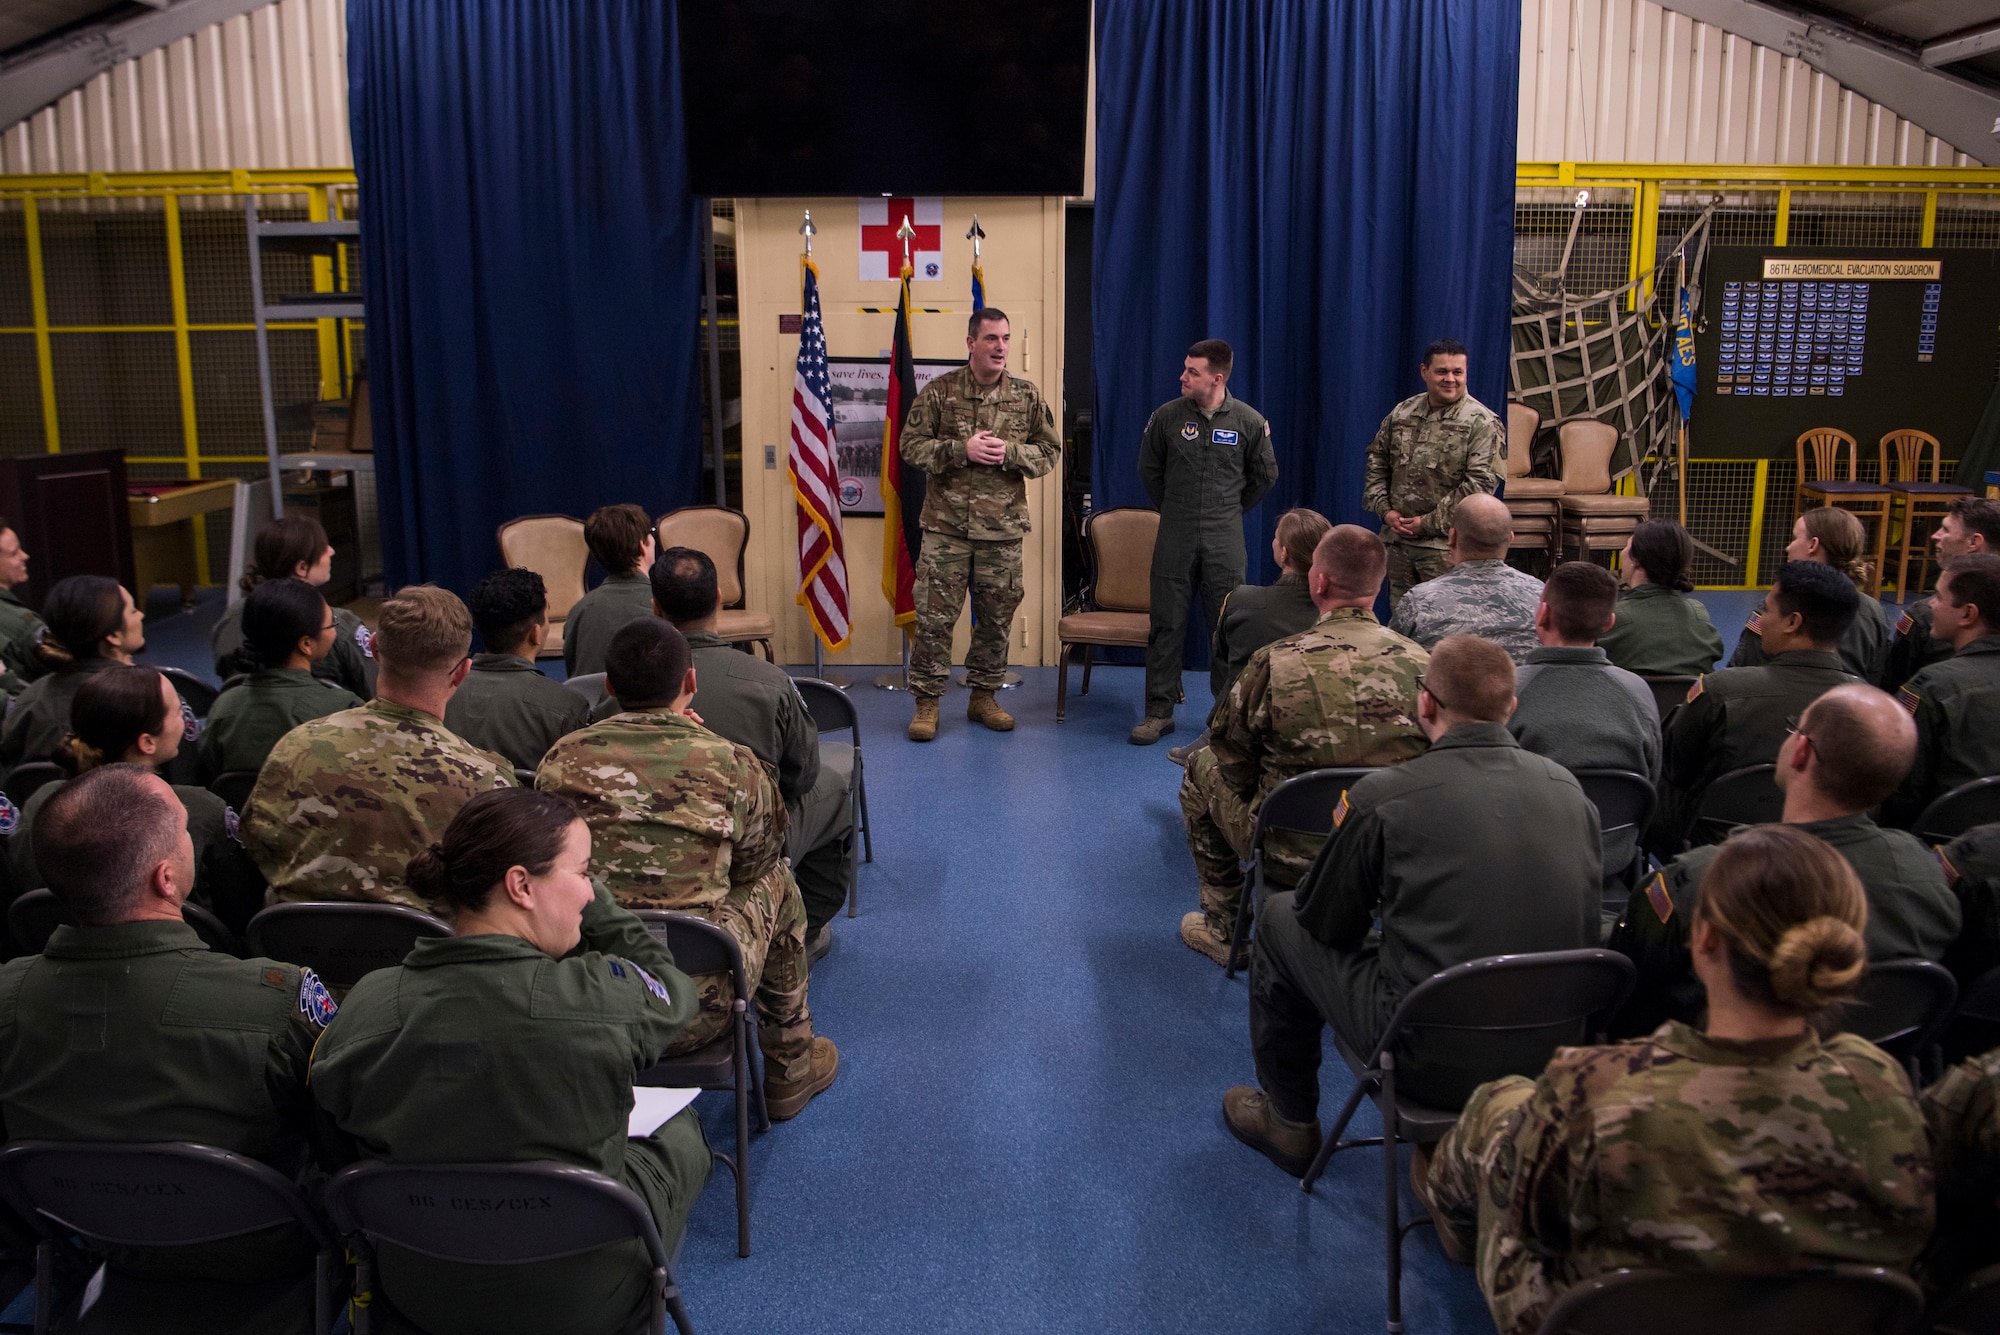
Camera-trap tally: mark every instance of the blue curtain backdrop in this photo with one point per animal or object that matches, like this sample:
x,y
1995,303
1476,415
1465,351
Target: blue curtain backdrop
x,y
1328,185
533,268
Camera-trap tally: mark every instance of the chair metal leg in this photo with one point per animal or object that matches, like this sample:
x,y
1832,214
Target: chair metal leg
x,y
677,1309
1390,1197
1062,680
44,1286
742,1133
1244,901
364,1286
853,853
755,1056
1089,654
323,1293
1332,1141
861,797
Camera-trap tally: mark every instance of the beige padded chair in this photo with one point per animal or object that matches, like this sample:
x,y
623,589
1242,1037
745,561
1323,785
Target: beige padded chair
x,y
552,546
1593,519
1535,502
1120,543
723,534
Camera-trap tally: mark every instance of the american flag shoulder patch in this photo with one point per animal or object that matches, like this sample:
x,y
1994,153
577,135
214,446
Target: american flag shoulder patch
x,y
1909,700
1903,624
1340,810
1950,872
1755,625
1657,896
1694,691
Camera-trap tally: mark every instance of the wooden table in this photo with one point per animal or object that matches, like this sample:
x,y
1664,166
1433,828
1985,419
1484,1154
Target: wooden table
x,y
163,538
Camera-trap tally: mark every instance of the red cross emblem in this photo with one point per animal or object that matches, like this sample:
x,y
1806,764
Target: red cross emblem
x,y
882,249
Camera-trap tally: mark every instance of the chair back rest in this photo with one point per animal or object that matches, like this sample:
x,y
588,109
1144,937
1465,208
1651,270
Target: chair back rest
x,y
249,512
1624,800
34,917
1669,692
1747,796
234,787
1586,447
458,1212
1973,1308
1120,541
829,706
1907,463
1819,455
1514,993
24,779
1952,814
697,945
341,941
163,1195
199,695
1982,999
1522,424
1304,803
1902,1005
1836,1300
553,547
719,532
591,687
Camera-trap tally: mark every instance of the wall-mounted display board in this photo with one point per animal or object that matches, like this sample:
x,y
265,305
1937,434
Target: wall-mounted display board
x,y
1868,340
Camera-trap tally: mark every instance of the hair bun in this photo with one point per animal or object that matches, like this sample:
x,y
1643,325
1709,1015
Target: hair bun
x,y
428,873
1817,963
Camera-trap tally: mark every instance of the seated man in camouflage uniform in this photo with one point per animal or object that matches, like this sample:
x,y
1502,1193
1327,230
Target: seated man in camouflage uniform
x,y
1749,1146
346,801
683,819
1343,692
1963,1114
1481,594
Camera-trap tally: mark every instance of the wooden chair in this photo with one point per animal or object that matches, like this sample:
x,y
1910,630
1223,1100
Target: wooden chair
x,y
723,534
552,546
1923,498
1593,518
1535,502
1120,596
1820,483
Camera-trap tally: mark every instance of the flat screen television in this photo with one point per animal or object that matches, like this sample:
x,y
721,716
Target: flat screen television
x,y
862,97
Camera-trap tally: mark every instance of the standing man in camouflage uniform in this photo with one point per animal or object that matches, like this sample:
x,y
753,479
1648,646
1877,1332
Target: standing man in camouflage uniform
x,y
980,433
1431,452
683,819
344,802
1206,461
17,624
1343,692
1480,594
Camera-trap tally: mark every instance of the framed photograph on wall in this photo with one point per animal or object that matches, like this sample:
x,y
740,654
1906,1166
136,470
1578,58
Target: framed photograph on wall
x,y
860,406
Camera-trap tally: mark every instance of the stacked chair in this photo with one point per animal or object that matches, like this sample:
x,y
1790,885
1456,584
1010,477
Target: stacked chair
x,y
1593,518
1922,498
1535,502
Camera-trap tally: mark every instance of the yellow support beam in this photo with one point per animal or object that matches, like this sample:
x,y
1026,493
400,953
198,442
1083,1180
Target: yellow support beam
x,y
1829,176
38,298
1759,487
1783,236
1929,235
329,338
184,373
1645,242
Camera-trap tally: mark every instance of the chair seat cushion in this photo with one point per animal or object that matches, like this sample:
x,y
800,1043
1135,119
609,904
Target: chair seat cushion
x,y
1839,487
711,1064
1534,509
1930,489
1605,505
1600,523
1533,488
1537,524
734,624
1104,628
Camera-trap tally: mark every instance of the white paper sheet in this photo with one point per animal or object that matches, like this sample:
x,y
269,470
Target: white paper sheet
x,y
652,1107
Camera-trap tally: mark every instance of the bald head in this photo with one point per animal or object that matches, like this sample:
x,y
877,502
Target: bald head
x,y
1348,567
1483,526
1863,745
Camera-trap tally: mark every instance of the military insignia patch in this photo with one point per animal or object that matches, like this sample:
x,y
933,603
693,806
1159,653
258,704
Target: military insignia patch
x,y
617,969
315,1002
1657,896
230,825
653,985
1755,625
10,815
1221,437
1903,624
274,977
1189,431
366,639
1694,691
1909,700
190,725
1340,810
1950,872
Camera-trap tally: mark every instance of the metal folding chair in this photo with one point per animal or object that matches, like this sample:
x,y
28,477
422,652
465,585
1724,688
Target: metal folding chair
x,y
1834,1300
24,779
34,917
234,787
833,711
1624,802
731,1062
200,696
154,1195
591,687
341,941
409,1206
1973,1308
1562,997
1902,1007
1747,796
1952,814
1669,692
1302,804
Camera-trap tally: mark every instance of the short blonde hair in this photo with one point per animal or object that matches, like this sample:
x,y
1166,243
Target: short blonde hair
x,y
423,629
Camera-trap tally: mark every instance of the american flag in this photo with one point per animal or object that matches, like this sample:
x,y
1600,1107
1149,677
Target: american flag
x,y
816,480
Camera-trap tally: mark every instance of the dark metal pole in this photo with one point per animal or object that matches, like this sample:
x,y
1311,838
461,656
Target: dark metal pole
x,y
714,358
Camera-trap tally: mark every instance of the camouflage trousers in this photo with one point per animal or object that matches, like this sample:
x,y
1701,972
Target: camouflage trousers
x,y
1219,826
1410,566
768,920
1472,1179
947,568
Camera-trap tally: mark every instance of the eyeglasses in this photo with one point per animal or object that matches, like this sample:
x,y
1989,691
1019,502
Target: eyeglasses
x,y
1434,695
1792,728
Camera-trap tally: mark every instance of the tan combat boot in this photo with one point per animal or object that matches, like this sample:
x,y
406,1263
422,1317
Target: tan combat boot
x,y
1252,1120
983,708
785,1099
924,726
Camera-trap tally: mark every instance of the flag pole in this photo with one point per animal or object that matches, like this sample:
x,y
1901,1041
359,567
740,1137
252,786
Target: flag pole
x,y
1681,450
900,681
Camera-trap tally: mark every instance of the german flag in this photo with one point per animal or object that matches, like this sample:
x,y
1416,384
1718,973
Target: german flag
x,y
902,488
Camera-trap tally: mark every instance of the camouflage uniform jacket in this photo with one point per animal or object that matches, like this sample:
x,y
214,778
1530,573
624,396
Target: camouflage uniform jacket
x,y
1685,1152
677,815
18,628
979,501
1914,647
344,802
1971,865
1956,704
1425,460
1963,1113
1487,598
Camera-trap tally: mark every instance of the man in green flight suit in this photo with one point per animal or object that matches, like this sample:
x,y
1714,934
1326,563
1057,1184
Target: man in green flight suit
x,y
129,1028
17,624
1431,452
505,705
1206,461
1956,703
1971,524
980,433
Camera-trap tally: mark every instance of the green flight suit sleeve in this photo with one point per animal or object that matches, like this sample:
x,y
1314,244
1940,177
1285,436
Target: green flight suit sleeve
x,y
1338,908
1689,742
1153,460
288,1061
1482,474
611,930
18,659
922,446
798,758
1909,800
352,668
1375,478
1260,467
1038,453
1240,723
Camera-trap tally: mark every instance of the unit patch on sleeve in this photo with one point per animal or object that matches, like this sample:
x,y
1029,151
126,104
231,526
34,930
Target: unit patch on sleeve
x,y
315,1002
10,816
366,639
654,985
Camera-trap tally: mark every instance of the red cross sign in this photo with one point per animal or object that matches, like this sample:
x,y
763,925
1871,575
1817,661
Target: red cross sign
x,y
882,250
